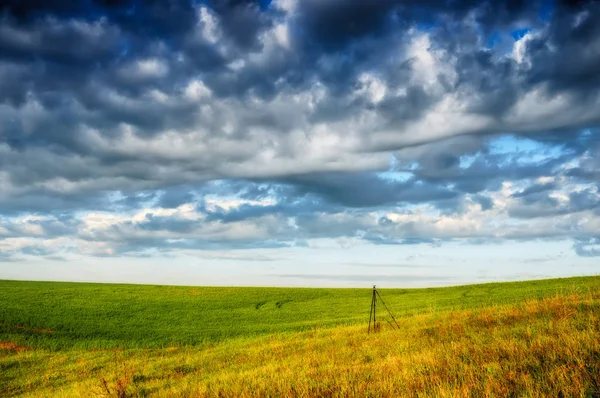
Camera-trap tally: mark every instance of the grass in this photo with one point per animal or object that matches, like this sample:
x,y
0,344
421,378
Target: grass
x,y
75,315
538,338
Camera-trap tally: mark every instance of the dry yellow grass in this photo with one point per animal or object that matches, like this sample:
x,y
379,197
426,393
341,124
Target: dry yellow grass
x,y
548,347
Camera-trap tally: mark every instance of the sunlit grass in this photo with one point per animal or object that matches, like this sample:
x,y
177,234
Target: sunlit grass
x,y
546,345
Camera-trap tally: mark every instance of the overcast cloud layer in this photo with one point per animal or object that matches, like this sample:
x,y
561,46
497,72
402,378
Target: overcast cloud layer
x,y
146,128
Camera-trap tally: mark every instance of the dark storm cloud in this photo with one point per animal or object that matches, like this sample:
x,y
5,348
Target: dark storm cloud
x,y
355,19
329,193
339,23
114,106
242,20
148,18
89,43
368,189
575,33
334,24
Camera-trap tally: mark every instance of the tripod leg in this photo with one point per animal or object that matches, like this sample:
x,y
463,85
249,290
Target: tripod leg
x,y
370,317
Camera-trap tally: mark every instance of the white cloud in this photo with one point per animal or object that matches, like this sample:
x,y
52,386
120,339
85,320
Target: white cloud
x,y
145,69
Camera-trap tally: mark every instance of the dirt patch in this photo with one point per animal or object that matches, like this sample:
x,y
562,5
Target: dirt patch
x,y
10,346
280,304
259,305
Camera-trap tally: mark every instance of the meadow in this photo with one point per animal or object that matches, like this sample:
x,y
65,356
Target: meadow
x,y
535,338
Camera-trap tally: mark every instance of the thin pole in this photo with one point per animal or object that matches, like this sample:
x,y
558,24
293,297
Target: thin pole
x,y
370,316
388,310
374,308
391,324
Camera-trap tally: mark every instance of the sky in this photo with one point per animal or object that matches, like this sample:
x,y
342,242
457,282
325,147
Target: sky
x,y
299,143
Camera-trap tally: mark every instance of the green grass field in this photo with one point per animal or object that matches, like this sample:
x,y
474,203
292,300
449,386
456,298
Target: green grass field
x,y
134,316
71,339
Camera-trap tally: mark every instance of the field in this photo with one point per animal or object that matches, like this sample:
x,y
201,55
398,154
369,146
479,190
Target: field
x,y
536,338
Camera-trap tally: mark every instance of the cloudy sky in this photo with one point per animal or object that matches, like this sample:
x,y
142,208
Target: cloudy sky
x,y
299,143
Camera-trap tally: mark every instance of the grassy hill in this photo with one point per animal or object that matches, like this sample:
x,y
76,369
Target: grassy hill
x,y
537,338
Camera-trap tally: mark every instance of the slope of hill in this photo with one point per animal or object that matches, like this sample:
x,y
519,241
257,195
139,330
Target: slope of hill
x,y
538,338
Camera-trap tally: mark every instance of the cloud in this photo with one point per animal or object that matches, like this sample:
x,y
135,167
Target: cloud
x,y
587,247
361,278
128,128
543,204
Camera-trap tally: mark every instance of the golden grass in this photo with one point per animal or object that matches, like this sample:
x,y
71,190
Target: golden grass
x,y
548,347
